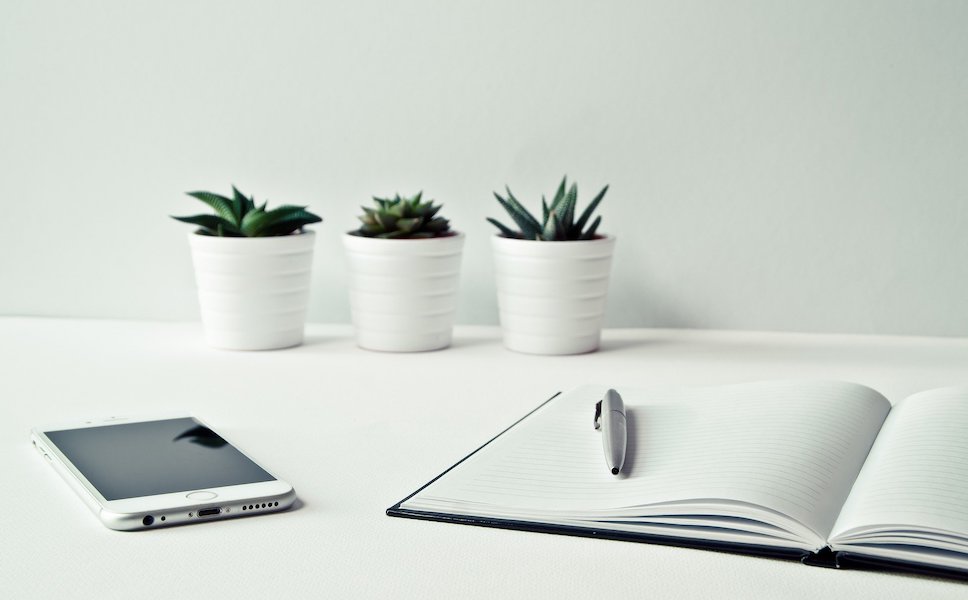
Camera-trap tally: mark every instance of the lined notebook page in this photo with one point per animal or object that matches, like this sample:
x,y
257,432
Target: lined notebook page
x,y
793,447
917,472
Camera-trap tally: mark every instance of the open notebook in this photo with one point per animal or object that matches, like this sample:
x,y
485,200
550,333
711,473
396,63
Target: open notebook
x,y
825,471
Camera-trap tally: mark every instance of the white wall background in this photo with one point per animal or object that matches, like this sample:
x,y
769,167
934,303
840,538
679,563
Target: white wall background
x,y
774,165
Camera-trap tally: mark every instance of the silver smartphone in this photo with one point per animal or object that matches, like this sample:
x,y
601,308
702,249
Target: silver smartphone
x,y
148,473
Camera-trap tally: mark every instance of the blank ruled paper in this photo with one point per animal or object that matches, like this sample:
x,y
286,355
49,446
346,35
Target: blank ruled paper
x,y
916,477
789,448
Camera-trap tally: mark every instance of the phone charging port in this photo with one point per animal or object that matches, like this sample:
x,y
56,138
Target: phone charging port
x,y
208,512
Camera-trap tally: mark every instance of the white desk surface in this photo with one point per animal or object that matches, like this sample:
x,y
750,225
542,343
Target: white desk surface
x,y
356,431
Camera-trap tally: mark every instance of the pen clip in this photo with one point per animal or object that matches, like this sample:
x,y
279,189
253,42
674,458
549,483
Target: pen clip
x,y
598,414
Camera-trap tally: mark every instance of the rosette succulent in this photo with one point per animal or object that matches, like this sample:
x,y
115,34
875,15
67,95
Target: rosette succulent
x,y
403,218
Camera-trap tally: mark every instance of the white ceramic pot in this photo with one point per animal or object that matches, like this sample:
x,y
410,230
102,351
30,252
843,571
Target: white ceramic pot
x,y
253,292
551,295
403,293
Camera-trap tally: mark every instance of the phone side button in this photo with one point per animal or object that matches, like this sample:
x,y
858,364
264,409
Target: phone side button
x,y
47,456
201,495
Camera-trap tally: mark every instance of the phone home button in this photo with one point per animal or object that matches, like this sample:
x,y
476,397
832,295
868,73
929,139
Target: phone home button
x,y
201,495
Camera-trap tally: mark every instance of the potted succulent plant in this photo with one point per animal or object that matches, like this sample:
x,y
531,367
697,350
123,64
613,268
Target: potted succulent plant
x,y
252,269
552,274
404,266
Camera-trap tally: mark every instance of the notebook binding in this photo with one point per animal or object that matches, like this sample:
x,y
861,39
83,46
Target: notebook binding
x,y
825,557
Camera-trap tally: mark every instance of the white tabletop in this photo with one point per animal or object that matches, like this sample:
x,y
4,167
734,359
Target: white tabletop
x,y
356,431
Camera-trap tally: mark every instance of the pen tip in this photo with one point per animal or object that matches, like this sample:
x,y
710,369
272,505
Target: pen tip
x,y
614,471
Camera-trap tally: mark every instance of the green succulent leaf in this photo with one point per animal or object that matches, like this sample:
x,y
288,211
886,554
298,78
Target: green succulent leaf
x,y
528,224
580,224
208,222
437,225
370,230
402,217
368,218
550,231
240,204
238,217
560,193
567,210
220,204
258,222
505,230
387,220
409,225
253,221
521,210
590,234
557,218
290,224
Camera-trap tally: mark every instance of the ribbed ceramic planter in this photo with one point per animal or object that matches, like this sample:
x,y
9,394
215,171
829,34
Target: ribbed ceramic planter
x,y
551,295
253,292
403,293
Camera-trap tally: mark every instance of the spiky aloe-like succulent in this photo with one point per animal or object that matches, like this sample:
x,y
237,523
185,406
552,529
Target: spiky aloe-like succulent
x,y
558,220
240,217
403,218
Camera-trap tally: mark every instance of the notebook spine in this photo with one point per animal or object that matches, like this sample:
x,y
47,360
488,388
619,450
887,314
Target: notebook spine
x,y
851,560
825,557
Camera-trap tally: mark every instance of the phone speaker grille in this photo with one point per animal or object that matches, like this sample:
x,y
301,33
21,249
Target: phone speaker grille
x,y
259,506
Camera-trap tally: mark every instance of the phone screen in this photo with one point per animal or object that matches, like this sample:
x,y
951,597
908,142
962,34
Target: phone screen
x,y
155,457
